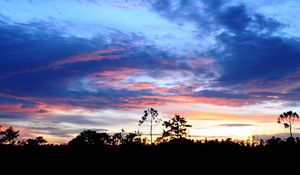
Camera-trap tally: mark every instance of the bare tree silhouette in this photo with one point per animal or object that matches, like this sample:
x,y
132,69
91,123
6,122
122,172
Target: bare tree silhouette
x,y
288,119
150,115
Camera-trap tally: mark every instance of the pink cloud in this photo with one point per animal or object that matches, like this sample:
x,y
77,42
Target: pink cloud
x,y
119,74
42,106
18,108
97,55
283,85
93,56
189,100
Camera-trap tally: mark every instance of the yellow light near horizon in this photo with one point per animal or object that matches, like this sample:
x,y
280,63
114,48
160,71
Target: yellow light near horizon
x,y
224,132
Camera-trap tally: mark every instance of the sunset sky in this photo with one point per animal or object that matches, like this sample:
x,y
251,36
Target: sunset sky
x,y
229,67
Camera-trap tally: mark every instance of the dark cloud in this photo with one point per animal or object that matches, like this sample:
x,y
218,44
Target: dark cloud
x,y
236,125
249,48
10,100
33,48
222,94
262,24
249,57
9,116
36,44
250,51
234,18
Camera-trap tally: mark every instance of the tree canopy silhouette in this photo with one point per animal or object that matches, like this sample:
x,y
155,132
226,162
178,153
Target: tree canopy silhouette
x,y
89,137
176,127
37,141
9,135
288,119
150,115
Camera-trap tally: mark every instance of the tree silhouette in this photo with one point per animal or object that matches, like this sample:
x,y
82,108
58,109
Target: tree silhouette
x,y
288,119
151,116
89,137
40,140
37,141
86,137
176,127
31,142
102,138
126,138
1,133
9,135
117,138
132,137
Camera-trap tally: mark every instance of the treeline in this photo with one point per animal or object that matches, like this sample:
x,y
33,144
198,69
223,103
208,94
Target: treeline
x,y
175,130
174,150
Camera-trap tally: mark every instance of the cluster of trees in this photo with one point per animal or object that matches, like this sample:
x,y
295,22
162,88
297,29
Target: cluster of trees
x,y
9,136
175,129
89,137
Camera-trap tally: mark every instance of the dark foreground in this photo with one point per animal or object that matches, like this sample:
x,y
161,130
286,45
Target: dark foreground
x,y
179,155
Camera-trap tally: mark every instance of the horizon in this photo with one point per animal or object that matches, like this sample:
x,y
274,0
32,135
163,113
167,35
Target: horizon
x,y
229,67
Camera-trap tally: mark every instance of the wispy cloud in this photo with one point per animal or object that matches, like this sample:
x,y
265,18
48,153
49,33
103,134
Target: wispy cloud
x,y
236,125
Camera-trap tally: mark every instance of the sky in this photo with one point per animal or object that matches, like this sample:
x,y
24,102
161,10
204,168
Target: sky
x,y
229,67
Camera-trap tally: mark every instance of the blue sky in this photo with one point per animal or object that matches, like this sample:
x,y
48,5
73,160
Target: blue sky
x,y
226,66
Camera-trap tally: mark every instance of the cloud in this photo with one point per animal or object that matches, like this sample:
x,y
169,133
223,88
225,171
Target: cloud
x,y
235,18
250,51
181,53
223,94
189,100
252,57
97,55
125,17
9,116
236,125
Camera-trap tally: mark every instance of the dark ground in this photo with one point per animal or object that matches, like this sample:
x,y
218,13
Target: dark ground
x,y
176,156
